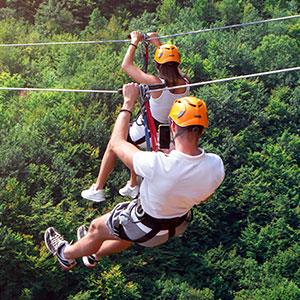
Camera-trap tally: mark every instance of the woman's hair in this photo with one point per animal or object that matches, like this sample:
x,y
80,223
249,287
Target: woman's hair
x,y
169,72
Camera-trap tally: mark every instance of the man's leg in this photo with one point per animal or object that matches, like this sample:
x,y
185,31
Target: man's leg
x,y
98,240
110,247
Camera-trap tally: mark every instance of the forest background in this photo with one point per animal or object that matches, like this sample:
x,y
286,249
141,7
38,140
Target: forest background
x,y
243,244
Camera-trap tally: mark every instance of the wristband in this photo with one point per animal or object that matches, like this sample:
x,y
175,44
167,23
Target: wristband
x,y
135,46
126,110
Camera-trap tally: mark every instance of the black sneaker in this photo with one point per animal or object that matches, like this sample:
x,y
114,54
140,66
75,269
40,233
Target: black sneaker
x,y
91,260
54,243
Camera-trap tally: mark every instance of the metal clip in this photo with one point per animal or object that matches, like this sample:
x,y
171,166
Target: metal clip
x,y
144,93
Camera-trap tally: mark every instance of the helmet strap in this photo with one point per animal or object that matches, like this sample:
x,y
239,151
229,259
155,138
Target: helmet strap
x,y
177,134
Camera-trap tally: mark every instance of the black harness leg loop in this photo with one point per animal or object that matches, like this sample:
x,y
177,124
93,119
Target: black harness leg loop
x,y
148,236
171,232
157,225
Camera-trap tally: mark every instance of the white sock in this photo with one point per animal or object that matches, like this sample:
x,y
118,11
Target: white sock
x,y
62,254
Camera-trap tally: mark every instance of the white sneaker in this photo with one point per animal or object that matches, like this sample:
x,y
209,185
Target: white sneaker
x,y
93,194
129,191
91,260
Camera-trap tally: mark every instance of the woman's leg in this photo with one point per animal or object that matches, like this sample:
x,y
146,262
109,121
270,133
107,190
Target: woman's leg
x,y
136,137
107,166
136,131
133,178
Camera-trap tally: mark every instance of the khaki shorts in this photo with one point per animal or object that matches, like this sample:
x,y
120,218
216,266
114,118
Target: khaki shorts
x,y
123,219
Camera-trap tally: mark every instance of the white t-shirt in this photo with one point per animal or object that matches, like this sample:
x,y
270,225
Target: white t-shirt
x,y
161,106
174,183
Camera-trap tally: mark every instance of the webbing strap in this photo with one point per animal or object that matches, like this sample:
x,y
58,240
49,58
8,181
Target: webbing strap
x,y
157,225
146,56
150,122
148,236
152,127
147,137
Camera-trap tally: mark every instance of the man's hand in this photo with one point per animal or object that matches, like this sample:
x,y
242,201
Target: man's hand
x,y
130,94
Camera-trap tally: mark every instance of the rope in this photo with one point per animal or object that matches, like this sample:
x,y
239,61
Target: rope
x,y
228,79
161,37
57,90
63,43
155,90
228,27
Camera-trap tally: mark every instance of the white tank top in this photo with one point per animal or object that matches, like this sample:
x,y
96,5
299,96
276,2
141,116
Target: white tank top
x,y
161,106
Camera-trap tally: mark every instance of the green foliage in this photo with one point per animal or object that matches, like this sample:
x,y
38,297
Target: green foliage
x,y
282,290
21,9
205,10
167,11
243,243
52,18
182,291
230,11
277,52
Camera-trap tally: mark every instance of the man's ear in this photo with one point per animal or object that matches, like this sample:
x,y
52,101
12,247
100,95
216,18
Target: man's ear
x,y
173,126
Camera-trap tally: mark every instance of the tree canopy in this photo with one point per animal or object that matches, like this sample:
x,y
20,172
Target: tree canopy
x,y
243,243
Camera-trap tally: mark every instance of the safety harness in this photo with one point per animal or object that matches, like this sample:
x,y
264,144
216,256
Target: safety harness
x,y
157,225
154,224
145,96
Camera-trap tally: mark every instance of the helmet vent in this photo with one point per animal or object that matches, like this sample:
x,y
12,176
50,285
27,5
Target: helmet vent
x,y
192,104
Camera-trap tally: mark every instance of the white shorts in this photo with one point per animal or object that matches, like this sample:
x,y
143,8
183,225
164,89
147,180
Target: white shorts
x,y
137,130
123,220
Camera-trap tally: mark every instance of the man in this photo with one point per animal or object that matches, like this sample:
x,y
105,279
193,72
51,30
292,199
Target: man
x,y
172,185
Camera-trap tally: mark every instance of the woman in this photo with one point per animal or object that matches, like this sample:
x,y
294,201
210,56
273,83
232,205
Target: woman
x,y
167,60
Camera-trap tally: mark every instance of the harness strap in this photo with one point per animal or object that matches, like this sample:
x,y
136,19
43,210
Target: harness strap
x,y
148,114
157,225
147,136
148,236
152,128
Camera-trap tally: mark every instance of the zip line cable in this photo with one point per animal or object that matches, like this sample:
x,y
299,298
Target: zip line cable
x,y
228,27
160,37
154,90
228,79
57,90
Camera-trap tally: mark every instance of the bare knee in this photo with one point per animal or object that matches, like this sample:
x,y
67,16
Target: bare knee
x,y
95,226
98,228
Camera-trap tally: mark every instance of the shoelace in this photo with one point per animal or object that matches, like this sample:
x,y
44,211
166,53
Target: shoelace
x,y
55,240
83,232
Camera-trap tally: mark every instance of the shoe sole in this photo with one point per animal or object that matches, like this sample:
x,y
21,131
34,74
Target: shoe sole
x,y
126,195
64,268
45,239
92,199
87,264
85,258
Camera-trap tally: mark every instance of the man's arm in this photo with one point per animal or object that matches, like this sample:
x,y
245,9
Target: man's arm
x,y
118,140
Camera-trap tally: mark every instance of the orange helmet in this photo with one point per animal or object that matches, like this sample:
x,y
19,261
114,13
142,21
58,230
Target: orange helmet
x,y
189,111
167,53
